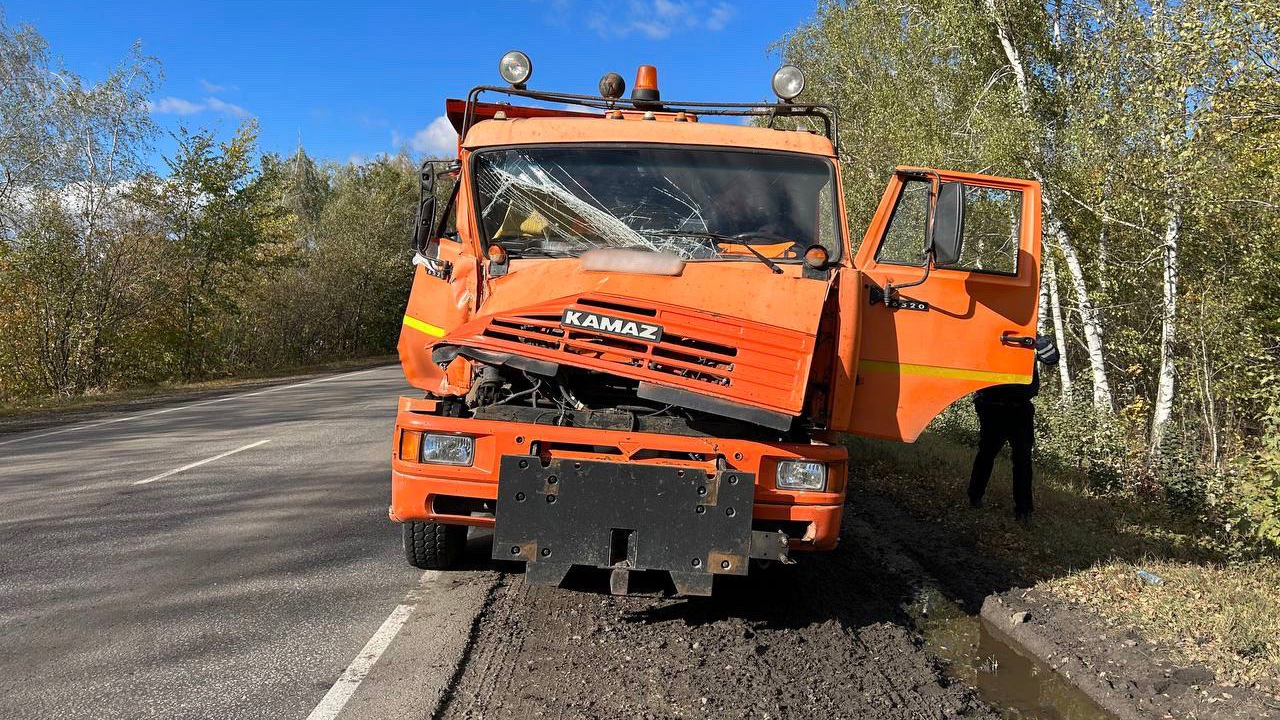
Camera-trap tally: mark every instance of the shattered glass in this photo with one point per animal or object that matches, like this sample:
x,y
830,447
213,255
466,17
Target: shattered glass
x,y
561,201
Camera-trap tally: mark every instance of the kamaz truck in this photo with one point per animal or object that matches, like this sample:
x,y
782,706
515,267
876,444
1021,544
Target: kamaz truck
x,y
640,327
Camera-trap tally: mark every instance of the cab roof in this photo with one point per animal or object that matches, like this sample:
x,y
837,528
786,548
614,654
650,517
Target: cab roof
x,y
597,129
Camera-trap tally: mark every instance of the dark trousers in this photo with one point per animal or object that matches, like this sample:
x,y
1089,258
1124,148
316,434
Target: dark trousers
x,y
1014,423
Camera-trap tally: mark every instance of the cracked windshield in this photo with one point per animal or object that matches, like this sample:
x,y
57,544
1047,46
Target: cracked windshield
x,y
698,204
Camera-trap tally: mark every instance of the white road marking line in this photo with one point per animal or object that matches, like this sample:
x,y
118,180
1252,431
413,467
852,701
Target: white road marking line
x,y
73,428
198,463
345,686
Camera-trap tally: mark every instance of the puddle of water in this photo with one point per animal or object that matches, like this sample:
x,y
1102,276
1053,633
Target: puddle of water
x,y
980,656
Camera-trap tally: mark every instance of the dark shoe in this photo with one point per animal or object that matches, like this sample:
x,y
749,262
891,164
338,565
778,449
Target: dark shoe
x,y
1023,519
975,503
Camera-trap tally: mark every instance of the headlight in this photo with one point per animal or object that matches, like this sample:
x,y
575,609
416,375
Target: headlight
x,y
448,449
801,475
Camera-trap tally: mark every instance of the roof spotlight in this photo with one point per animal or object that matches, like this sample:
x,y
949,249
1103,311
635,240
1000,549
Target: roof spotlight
x,y
515,67
788,82
612,86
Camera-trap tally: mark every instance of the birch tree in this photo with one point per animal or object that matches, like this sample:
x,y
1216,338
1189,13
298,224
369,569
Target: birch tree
x,y
1049,280
1089,319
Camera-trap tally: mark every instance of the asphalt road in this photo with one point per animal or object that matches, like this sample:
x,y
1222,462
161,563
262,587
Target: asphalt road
x,y
135,582
231,557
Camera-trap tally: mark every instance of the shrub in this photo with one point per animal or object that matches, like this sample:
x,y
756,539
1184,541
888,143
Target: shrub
x,y
1177,469
1256,489
1071,437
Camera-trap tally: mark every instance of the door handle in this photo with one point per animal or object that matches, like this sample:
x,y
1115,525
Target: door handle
x,y
1008,338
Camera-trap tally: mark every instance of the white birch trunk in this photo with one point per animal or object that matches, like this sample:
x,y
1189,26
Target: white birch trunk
x,y
1059,330
1104,234
1042,314
1089,319
1207,406
1168,330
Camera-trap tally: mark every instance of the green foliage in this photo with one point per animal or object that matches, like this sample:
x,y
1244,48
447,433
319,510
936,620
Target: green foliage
x,y
340,290
1179,472
1256,514
1138,118
1071,439
113,275
910,91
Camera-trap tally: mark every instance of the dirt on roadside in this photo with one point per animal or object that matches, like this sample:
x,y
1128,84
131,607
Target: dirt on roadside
x,y
825,638
1124,673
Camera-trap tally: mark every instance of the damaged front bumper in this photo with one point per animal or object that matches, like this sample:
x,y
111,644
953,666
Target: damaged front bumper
x,y
646,483
628,517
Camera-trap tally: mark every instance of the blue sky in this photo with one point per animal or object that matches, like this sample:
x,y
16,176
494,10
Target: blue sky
x,y
356,80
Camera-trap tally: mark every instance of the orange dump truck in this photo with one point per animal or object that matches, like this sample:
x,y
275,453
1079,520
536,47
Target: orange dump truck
x,y
640,330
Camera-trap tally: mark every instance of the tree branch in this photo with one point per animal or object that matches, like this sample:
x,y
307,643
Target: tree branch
x,y
1103,216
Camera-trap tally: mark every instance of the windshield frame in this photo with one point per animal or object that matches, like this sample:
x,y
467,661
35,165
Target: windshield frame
x,y
836,190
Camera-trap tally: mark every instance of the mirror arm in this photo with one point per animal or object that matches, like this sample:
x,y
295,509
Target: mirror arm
x,y
890,289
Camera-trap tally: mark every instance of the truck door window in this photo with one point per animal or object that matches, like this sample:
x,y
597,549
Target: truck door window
x,y
448,202
992,225
904,239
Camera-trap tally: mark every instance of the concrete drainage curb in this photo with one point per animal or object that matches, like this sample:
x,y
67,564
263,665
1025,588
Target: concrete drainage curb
x,y
1121,672
1025,631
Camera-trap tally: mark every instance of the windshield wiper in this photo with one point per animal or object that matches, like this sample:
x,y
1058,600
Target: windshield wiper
x,y
739,239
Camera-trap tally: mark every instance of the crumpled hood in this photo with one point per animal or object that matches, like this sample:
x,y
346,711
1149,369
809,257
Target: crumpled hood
x,y
729,332
737,289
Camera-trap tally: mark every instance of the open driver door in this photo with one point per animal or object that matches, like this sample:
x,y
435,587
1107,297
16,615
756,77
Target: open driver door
x,y
950,275
445,274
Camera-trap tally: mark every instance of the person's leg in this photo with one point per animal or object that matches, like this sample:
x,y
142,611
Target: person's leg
x,y
991,437
1021,438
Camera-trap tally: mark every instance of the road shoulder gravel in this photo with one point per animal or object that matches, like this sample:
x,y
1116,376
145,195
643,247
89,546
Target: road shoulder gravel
x,y
420,667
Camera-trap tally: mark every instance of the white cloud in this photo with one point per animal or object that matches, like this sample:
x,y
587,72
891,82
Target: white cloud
x,y
437,139
174,106
659,19
215,89
178,106
217,105
720,16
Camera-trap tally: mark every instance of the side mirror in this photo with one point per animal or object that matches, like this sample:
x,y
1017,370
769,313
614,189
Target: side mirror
x,y
424,224
947,237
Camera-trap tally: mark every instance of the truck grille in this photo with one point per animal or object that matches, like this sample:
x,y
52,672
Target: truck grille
x,y
738,360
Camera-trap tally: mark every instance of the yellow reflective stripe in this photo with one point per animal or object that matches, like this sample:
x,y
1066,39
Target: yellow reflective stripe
x,y
943,372
426,327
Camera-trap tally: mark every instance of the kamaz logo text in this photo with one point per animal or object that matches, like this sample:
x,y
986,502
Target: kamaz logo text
x,y
611,325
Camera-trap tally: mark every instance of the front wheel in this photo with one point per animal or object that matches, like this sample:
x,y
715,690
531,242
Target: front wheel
x,y
432,546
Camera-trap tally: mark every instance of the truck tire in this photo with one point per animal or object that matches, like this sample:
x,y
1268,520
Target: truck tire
x,y
432,546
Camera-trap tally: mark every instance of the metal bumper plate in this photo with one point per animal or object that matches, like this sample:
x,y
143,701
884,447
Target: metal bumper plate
x,y
624,516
